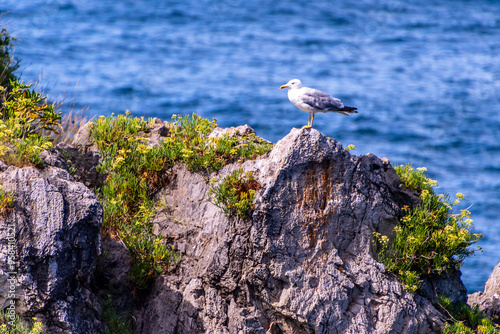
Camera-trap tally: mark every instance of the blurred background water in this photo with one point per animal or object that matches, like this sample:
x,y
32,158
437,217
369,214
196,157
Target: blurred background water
x,y
424,75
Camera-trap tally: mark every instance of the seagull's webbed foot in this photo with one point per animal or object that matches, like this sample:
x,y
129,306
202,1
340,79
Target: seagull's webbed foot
x,y
307,126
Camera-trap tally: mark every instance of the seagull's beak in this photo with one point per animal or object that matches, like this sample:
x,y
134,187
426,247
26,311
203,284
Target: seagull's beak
x,y
284,86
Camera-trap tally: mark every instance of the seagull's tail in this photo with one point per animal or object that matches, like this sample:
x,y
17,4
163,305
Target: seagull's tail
x,y
348,110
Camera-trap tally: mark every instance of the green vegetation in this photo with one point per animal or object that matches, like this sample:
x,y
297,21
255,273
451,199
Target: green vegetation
x,y
137,171
24,113
8,64
126,195
430,238
189,143
6,202
465,320
16,326
235,194
117,323
350,147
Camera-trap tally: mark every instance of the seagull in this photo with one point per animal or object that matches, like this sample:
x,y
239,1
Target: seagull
x,y
312,101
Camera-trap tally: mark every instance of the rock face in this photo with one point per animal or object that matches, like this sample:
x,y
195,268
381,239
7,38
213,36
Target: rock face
x,y
489,301
303,263
53,232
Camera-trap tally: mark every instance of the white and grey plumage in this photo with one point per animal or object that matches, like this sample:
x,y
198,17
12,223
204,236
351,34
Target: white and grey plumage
x,y
312,101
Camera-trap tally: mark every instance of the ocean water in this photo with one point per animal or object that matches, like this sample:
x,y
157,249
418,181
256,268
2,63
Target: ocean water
x,y
425,76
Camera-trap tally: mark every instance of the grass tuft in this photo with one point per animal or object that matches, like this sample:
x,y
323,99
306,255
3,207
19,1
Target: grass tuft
x,y
71,122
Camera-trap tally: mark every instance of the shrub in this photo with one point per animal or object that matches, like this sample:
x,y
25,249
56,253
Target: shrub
x,y
30,111
25,113
8,64
464,319
430,238
16,325
235,194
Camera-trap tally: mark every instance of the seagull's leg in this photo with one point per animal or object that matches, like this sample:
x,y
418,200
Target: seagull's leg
x,y
308,122
312,120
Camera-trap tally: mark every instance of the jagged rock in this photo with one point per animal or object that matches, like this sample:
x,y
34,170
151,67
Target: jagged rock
x,y
303,263
159,131
234,131
488,301
82,164
54,228
448,284
82,138
82,158
52,158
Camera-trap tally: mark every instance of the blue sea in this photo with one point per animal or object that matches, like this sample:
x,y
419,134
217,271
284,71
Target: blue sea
x,y
424,75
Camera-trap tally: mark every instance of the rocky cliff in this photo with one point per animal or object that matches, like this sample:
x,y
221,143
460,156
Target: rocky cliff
x,y
304,262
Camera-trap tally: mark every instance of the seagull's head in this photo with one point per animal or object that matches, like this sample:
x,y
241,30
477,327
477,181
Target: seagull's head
x,y
292,84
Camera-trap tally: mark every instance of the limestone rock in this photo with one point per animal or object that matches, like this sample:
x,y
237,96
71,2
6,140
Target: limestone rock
x,y
488,301
82,138
303,263
81,162
55,232
159,131
52,158
234,131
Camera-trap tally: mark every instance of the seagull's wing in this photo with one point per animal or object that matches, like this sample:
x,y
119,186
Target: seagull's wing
x,y
320,100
